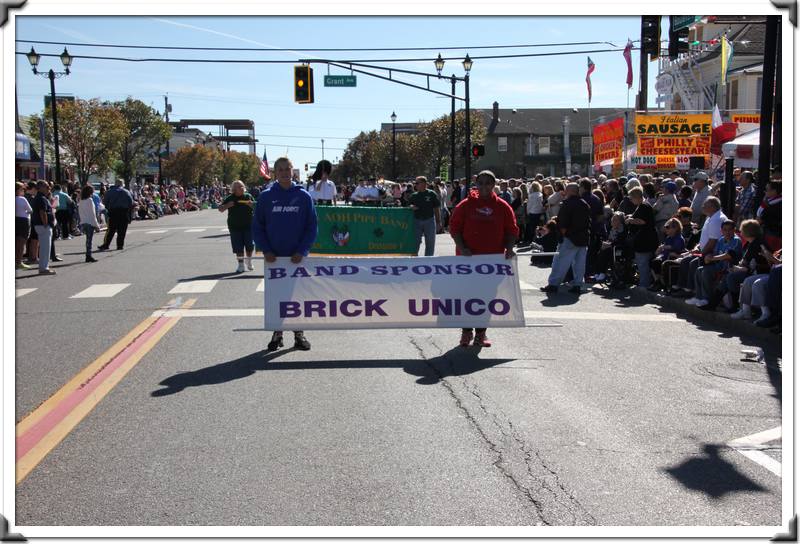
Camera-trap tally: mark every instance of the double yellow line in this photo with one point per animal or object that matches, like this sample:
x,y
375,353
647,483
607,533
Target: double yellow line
x,y
44,428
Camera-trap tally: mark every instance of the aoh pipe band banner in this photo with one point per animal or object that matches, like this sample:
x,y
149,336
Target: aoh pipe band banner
x,y
392,293
673,134
361,230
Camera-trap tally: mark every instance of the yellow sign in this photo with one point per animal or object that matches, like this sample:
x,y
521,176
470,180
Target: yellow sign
x,y
673,134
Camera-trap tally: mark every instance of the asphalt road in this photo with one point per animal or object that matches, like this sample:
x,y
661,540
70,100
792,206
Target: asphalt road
x,y
602,411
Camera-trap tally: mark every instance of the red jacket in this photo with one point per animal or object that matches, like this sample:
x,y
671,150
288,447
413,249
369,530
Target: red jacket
x,y
483,223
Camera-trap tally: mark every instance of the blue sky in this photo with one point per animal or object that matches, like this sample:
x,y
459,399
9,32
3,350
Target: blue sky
x,y
263,92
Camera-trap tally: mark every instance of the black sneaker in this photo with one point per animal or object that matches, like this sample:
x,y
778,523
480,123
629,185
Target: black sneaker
x,y
301,342
91,260
102,248
575,290
276,342
549,289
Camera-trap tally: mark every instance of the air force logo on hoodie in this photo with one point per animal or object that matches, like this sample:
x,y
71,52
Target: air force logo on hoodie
x,y
292,208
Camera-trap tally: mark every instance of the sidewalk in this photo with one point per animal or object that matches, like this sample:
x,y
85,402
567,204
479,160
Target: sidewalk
x,y
719,319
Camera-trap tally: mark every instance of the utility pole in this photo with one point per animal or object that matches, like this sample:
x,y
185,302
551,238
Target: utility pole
x,y
453,128
323,149
642,102
167,109
767,104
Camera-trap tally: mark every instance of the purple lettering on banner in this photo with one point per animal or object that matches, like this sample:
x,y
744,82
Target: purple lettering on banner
x,y
412,307
484,268
443,307
276,273
421,269
301,272
469,306
374,307
289,308
348,270
311,306
505,270
332,308
457,304
350,313
443,269
505,307
323,271
379,270
463,269
397,269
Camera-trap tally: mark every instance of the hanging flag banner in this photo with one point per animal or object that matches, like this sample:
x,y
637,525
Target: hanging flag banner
x,y
608,139
360,230
671,135
337,293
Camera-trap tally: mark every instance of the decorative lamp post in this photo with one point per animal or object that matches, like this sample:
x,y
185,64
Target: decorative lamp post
x,y
394,147
66,60
467,63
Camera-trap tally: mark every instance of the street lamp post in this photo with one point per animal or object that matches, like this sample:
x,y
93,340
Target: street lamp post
x,y
467,63
453,128
394,147
66,60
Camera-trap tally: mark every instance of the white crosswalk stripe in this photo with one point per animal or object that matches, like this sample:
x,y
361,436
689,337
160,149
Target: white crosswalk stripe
x,y
224,230
195,230
525,286
23,292
101,290
197,286
155,231
260,286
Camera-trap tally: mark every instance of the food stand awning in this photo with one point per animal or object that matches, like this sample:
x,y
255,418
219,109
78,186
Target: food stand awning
x,y
743,149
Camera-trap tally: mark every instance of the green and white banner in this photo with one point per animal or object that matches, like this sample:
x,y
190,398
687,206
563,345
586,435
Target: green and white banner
x,y
360,230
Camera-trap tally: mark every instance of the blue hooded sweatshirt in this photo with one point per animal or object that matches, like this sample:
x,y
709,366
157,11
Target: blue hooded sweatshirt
x,y
285,221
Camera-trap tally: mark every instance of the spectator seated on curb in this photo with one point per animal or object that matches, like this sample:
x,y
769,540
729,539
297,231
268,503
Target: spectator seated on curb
x,y
547,238
727,250
755,292
753,263
770,215
673,246
710,233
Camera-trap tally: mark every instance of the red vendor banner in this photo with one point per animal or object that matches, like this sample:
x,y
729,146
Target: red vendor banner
x,y
613,130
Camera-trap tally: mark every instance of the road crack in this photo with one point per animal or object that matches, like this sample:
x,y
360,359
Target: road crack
x,y
524,467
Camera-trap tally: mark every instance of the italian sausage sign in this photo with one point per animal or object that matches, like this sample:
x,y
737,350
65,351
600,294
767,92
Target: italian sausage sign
x,y
392,293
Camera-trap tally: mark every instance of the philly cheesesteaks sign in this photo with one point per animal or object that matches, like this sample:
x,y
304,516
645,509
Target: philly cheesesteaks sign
x,y
389,293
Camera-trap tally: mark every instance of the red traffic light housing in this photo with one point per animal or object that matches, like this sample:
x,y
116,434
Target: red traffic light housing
x,y
478,150
303,84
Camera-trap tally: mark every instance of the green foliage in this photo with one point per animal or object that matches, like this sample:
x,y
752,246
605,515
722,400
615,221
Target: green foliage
x,y
146,131
193,166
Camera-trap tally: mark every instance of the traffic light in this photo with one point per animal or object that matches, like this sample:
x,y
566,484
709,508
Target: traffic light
x,y
303,84
678,41
651,36
478,150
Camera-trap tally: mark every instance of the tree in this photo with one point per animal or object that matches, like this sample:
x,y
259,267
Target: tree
x,y
193,166
146,131
90,132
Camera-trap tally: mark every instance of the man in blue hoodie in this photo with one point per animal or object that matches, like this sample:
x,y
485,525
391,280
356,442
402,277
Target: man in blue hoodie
x,y
285,225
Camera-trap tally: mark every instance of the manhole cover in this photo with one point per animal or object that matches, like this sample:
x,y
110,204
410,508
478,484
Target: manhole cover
x,y
740,371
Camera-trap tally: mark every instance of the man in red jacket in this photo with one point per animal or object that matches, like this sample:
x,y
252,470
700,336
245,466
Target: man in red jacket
x,y
483,224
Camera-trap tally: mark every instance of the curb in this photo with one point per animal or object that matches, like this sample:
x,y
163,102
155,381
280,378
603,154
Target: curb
x,y
718,319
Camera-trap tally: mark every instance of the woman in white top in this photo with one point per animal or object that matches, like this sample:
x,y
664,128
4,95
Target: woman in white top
x,y
535,209
88,217
23,223
324,190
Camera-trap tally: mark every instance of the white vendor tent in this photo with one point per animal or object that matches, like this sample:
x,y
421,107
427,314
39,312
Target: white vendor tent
x,y
743,149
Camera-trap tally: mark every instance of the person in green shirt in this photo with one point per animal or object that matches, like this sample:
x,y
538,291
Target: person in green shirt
x,y
239,205
427,219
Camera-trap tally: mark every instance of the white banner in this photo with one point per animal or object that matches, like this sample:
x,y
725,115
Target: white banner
x,y
392,293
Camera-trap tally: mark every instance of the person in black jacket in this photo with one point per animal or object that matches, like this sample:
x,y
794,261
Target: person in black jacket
x,y
574,221
642,226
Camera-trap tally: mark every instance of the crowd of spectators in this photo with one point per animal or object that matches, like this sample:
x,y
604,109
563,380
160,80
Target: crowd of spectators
x,y
663,233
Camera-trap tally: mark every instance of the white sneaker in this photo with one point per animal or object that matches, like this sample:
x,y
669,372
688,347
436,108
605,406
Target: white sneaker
x,y
692,301
240,268
741,314
701,302
600,277
765,314
248,262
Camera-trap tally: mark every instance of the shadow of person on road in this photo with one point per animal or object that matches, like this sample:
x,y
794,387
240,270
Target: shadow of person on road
x,y
221,373
456,362
712,475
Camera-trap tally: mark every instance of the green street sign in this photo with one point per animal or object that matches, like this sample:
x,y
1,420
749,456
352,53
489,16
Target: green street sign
x,y
340,81
682,21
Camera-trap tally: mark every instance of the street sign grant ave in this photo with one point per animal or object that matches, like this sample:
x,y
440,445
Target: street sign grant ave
x,y
340,81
